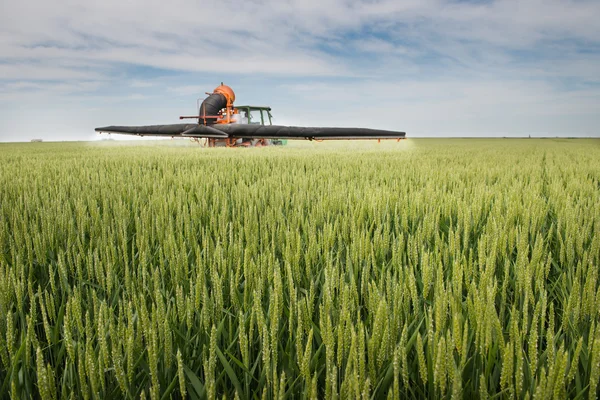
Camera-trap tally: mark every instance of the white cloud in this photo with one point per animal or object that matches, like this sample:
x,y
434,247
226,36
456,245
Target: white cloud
x,y
186,90
277,37
137,83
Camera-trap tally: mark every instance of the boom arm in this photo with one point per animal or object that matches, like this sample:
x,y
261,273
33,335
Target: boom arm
x,y
236,131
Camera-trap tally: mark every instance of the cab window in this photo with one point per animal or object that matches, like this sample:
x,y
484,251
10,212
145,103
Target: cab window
x,y
255,117
266,118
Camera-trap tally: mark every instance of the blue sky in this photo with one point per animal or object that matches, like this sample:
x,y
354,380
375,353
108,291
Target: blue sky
x,y
429,67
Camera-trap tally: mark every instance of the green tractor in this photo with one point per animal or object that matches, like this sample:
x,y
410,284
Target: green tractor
x,y
254,115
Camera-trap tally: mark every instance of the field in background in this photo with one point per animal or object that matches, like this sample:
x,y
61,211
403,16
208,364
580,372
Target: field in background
x,y
425,268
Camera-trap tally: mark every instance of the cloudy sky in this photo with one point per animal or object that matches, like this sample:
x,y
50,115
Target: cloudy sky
x,y
429,67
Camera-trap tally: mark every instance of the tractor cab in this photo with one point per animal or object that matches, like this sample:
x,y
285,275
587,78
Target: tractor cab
x,y
254,115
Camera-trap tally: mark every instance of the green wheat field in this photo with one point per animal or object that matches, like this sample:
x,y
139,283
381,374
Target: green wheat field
x,y
422,269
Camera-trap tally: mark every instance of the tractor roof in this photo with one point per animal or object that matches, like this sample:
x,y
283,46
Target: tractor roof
x,y
255,107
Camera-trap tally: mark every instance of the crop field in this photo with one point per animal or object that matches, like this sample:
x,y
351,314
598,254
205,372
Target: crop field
x,y
422,269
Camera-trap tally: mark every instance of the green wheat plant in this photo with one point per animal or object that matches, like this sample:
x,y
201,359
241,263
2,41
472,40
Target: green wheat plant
x,y
420,269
